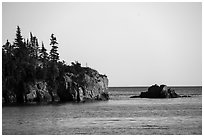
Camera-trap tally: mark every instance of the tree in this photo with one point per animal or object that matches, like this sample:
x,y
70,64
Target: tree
x,y
24,70
54,55
44,58
8,67
7,48
34,50
7,59
53,70
19,39
43,54
20,57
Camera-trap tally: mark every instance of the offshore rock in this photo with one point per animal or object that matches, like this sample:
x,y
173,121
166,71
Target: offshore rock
x,y
89,85
161,91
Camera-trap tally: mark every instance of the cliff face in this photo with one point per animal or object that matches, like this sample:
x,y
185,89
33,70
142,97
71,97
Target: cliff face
x,y
34,92
96,87
37,92
86,86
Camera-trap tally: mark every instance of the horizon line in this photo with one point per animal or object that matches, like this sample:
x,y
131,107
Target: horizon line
x,y
151,85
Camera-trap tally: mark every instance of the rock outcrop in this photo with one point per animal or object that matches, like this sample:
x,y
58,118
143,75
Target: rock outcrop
x,y
37,92
85,85
34,92
89,85
156,91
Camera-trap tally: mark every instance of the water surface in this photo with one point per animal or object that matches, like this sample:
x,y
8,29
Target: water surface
x,y
120,115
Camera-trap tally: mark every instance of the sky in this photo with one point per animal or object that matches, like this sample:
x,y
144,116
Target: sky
x,y
134,44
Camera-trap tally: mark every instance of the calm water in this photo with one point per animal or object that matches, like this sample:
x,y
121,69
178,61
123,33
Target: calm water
x,y
120,115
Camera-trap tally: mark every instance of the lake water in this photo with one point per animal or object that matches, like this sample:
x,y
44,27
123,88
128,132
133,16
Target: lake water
x,y
120,115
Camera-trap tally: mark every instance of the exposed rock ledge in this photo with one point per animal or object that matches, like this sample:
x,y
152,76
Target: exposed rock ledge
x,y
88,87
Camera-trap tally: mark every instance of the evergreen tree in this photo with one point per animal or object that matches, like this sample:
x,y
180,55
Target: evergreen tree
x,y
34,59
8,66
54,55
43,54
20,60
25,65
53,70
33,47
19,39
44,58
21,49
7,47
7,58
37,50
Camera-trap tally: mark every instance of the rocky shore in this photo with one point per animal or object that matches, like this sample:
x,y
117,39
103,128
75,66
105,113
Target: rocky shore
x,y
88,85
70,88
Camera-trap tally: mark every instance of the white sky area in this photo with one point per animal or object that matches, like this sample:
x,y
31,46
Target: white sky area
x,y
134,44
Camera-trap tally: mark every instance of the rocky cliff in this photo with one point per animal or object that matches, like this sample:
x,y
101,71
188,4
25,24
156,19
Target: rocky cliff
x,y
86,85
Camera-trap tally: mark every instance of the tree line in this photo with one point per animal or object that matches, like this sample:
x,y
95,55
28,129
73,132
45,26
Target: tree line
x,y
25,60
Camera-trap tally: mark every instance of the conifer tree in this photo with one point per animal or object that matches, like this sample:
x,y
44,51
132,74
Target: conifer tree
x,y
34,47
6,70
6,47
19,39
37,49
53,70
44,58
43,54
7,58
21,56
54,55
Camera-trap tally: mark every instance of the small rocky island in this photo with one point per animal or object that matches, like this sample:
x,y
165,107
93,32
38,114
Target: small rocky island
x,y
156,91
32,75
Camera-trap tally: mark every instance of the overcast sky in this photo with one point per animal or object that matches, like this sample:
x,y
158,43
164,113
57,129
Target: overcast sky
x,y
134,44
